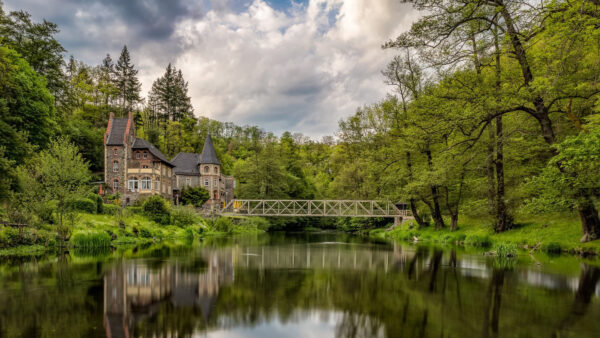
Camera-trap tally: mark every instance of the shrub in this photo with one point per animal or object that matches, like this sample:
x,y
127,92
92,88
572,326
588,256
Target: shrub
x,y
553,248
144,232
135,210
89,239
46,213
83,204
99,202
195,196
157,209
478,241
110,209
257,222
183,216
223,224
189,235
506,250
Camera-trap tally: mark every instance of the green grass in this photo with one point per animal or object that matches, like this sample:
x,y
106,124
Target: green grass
x,y
550,233
91,239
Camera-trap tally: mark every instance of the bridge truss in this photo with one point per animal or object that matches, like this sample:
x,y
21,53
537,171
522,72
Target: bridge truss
x,y
314,208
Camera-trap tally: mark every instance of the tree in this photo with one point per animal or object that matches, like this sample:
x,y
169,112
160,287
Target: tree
x,y
126,82
58,174
168,99
195,196
27,114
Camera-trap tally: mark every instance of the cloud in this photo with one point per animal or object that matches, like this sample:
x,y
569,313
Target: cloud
x,y
297,65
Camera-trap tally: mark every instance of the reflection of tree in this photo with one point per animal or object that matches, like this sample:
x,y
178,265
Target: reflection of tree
x,y
354,325
493,300
588,279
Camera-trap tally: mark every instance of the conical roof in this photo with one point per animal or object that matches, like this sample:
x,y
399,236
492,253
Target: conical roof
x,y
209,156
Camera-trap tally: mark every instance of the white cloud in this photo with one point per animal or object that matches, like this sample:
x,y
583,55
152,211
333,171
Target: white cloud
x,y
300,70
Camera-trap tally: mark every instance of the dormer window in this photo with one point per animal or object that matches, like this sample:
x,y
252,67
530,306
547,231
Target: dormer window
x,y
206,169
145,154
137,156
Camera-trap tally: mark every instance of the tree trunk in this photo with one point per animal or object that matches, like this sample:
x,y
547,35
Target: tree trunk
x,y
590,223
413,204
489,168
436,212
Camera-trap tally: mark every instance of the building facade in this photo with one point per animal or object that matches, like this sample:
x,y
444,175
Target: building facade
x,y
133,167
192,170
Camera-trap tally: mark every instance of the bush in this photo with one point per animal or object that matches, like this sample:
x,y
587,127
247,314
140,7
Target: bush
x,y
256,222
135,210
157,209
143,232
83,204
195,196
478,241
553,248
90,239
189,235
223,224
506,250
110,209
99,202
183,216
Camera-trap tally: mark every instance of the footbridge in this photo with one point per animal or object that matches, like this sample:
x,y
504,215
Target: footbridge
x,y
315,208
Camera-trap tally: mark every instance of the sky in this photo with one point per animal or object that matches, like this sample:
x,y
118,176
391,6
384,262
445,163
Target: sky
x,y
283,65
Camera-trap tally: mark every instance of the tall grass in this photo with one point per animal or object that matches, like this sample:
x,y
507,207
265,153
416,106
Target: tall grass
x,y
90,239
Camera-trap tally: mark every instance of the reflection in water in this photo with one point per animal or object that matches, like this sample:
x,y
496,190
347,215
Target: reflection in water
x,y
296,287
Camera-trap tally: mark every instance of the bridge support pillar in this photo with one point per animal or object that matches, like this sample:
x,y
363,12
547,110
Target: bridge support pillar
x,y
397,221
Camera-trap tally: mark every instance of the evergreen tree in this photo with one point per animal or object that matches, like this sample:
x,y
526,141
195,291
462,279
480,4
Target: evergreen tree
x,y
126,82
107,81
168,98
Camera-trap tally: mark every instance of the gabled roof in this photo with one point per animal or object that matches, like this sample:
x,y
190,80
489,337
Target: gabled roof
x,y
186,163
209,156
117,132
143,144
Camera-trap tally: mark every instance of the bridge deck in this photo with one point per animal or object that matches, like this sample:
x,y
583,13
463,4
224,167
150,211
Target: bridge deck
x,y
314,208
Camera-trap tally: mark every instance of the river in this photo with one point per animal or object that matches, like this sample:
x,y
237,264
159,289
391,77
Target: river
x,y
297,285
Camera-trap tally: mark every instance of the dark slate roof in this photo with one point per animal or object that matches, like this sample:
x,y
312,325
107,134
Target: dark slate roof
x,y
209,156
117,132
143,144
186,164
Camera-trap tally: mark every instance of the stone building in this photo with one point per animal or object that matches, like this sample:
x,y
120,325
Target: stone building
x,y
133,167
192,170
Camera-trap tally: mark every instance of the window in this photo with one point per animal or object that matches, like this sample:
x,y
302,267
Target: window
x,y
145,166
156,186
137,156
116,166
215,183
115,184
145,154
188,181
115,151
206,182
133,184
216,170
206,169
146,183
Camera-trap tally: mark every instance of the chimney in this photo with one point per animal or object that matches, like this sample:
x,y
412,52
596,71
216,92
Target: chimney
x,y
111,116
130,116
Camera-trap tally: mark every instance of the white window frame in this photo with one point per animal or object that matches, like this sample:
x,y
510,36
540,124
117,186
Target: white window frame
x,y
215,184
156,185
188,181
133,184
206,182
115,184
115,167
137,155
146,183
145,155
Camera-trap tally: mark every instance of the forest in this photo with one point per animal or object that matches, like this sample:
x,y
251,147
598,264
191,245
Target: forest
x,y
492,113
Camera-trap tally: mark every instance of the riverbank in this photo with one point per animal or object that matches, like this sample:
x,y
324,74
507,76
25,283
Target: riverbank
x,y
126,229
555,234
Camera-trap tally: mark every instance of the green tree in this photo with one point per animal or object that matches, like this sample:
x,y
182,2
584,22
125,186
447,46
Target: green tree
x,y
168,99
126,82
195,196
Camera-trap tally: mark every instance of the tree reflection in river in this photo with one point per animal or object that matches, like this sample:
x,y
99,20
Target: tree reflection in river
x,y
343,288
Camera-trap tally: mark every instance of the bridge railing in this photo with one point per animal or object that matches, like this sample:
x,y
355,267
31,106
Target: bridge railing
x,y
318,208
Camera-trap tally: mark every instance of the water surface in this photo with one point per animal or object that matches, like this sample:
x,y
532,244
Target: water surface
x,y
297,285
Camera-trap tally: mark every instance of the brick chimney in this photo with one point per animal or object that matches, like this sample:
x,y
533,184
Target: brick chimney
x,y
111,116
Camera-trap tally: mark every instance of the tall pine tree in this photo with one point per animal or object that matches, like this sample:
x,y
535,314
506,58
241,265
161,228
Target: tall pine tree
x,y
168,99
127,83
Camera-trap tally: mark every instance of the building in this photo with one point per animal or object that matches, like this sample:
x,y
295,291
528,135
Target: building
x,y
133,167
192,170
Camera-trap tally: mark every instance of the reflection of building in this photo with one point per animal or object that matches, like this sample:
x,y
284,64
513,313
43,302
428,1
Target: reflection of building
x,y
134,290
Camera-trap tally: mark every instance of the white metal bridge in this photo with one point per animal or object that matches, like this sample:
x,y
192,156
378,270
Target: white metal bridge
x,y
314,208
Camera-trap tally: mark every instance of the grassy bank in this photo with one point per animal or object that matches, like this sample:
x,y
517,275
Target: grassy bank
x,y
550,233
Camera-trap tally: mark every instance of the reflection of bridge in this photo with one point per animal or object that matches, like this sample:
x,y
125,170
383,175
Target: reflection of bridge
x,y
316,208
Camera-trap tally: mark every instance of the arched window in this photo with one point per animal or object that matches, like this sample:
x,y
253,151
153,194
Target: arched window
x,y
156,185
116,166
115,151
216,170
206,169
215,182
146,183
133,184
115,184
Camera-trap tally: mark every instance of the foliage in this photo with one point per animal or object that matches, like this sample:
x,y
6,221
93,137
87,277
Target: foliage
x,y
506,250
98,202
89,239
157,208
82,204
478,241
110,209
183,216
223,224
195,196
